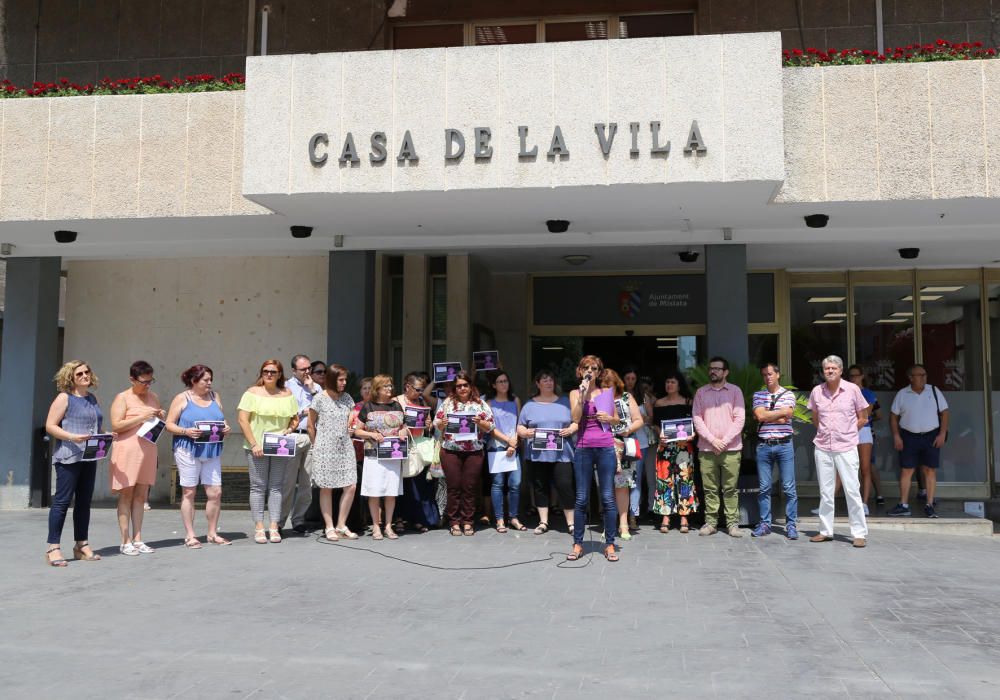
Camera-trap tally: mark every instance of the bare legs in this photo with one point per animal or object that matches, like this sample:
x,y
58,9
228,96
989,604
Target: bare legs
x,y
373,507
187,511
621,500
130,508
865,461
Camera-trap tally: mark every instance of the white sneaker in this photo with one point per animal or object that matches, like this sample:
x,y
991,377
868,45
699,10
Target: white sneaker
x,y
142,547
866,509
129,550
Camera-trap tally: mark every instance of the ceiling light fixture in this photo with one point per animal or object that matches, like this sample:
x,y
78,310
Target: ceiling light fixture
x,y
552,347
835,315
923,297
825,300
940,289
891,320
828,321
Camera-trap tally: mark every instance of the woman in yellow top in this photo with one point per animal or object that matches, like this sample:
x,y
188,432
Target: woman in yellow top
x,y
266,407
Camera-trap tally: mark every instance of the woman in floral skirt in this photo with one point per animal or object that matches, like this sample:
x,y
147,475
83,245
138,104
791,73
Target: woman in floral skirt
x,y
675,465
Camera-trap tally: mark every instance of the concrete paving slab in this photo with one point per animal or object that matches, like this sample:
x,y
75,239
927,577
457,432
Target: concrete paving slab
x,y
498,616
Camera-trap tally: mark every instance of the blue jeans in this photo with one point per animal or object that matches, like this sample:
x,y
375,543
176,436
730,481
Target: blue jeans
x,y
513,480
583,463
784,457
72,480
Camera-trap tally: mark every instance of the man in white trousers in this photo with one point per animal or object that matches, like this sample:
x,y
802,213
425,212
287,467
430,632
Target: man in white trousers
x,y
838,411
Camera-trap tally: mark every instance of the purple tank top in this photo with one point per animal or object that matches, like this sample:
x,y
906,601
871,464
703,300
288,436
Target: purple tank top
x,y
593,433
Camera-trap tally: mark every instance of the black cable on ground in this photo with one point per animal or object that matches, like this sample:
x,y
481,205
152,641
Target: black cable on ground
x,y
565,564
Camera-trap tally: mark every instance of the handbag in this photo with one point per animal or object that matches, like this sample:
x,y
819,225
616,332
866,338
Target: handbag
x,y
632,449
421,454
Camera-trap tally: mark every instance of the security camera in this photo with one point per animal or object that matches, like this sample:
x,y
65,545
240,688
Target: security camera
x,y
817,220
7,249
688,256
909,253
302,231
557,225
630,333
65,236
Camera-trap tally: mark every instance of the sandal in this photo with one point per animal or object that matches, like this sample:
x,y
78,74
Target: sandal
x,y
421,528
542,528
468,531
685,529
217,539
78,552
259,537
501,528
390,533
275,535
59,563
377,533
515,524
576,553
610,554
345,533
665,528
192,543
326,534
456,531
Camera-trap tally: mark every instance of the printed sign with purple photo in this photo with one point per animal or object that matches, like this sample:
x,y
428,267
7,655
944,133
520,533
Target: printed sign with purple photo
x,y
278,445
486,360
415,416
211,431
461,427
677,429
151,430
547,439
392,448
96,447
445,372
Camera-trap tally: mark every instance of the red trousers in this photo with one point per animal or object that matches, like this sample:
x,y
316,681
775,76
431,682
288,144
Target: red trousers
x,y
462,472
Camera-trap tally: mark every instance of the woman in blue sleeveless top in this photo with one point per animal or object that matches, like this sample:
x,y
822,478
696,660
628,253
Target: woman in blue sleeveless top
x,y
198,453
73,415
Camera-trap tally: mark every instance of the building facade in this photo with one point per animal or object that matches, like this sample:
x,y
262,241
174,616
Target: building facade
x,y
622,183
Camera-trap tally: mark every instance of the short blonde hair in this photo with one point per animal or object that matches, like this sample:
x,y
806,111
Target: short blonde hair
x,y
378,382
64,377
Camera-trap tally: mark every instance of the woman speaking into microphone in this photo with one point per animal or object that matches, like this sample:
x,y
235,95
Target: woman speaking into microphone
x,y
592,408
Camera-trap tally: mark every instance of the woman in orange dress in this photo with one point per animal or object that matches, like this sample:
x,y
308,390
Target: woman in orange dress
x,y
133,459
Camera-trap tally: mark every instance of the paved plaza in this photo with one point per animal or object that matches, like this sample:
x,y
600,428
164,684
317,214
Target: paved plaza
x,y
913,615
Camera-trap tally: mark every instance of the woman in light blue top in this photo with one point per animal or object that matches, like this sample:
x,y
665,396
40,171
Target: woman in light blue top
x,y
503,441
197,453
549,467
73,415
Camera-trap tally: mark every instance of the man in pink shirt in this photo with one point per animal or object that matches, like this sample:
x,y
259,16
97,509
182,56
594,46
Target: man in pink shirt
x,y
838,411
719,412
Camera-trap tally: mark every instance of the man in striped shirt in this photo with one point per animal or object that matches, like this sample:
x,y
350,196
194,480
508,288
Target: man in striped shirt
x,y
773,407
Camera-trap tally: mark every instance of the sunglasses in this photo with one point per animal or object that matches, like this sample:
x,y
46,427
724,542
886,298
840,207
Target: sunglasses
x,y
144,382
269,372
84,373
319,371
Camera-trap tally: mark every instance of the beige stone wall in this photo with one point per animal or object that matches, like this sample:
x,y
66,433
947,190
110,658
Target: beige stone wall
x,y
892,132
228,313
134,156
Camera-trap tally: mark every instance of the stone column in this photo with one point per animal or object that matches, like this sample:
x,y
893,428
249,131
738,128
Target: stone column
x,y
29,360
459,320
416,324
726,285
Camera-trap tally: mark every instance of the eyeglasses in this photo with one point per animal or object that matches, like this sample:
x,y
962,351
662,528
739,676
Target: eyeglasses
x,y
716,369
302,369
269,372
417,388
144,382
84,373
319,371
592,368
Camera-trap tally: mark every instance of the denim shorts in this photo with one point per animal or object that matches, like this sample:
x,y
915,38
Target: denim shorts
x,y
918,450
